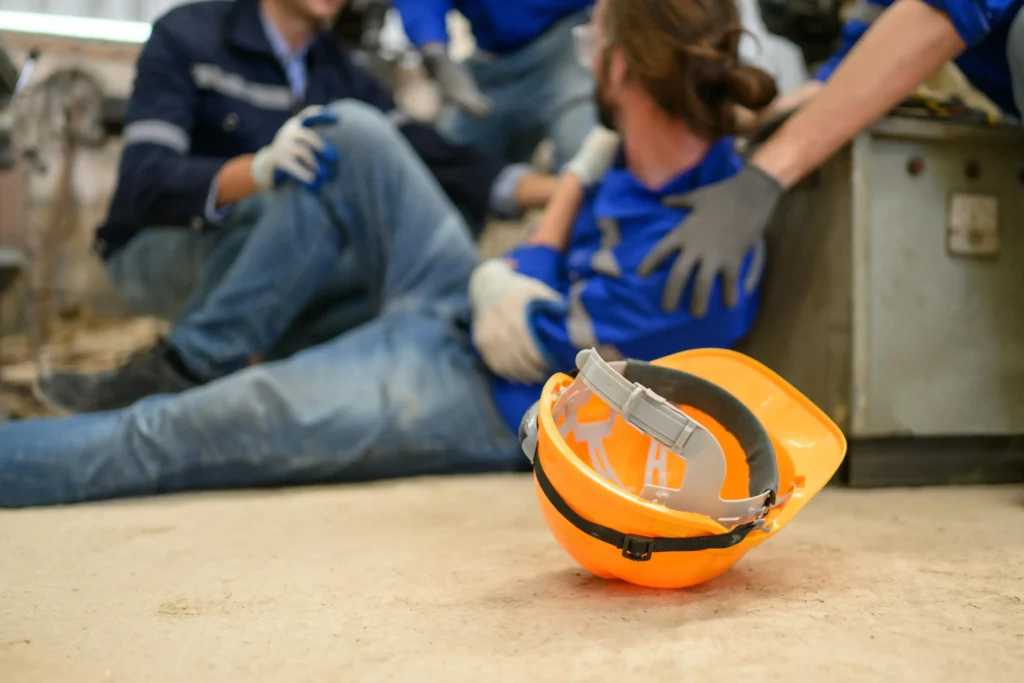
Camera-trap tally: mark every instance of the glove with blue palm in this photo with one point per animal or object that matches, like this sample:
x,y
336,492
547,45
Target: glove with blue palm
x,y
297,153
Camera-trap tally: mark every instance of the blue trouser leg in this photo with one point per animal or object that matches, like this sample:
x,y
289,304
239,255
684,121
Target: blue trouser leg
x,y
403,394
538,91
382,192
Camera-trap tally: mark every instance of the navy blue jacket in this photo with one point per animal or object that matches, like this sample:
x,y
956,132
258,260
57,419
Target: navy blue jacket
x,y
209,88
499,26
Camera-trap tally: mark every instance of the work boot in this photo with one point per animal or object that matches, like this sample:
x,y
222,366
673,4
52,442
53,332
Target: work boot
x,y
153,371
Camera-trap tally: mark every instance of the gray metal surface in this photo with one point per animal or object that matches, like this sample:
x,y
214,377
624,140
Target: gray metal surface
x,y
942,349
804,331
932,461
869,313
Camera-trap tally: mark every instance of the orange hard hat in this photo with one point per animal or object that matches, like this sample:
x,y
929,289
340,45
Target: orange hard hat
x,y
665,474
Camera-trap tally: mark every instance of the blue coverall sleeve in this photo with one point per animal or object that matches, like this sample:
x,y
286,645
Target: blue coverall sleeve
x,y
624,313
425,20
159,183
976,19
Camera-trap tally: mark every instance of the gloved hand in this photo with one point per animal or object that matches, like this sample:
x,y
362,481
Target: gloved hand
x,y
596,155
297,152
456,82
726,220
501,332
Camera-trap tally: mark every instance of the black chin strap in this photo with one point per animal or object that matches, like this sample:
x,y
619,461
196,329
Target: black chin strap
x,y
638,548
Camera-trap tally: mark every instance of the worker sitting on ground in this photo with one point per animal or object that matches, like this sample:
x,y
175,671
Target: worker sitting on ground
x,y
438,380
215,84
905,44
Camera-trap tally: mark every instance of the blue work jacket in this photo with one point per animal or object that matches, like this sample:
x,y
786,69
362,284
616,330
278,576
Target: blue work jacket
x,y
606,305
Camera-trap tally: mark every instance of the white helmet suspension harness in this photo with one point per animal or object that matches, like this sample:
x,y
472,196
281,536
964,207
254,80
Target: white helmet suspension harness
x,y
644,396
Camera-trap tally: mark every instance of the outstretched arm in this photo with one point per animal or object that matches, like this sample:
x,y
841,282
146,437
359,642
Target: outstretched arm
x,y
910,41
596,156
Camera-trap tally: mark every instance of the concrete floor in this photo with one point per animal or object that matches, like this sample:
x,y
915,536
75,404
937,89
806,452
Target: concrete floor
x,y
459,580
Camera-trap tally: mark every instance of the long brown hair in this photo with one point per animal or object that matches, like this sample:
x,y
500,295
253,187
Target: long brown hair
x,y
685,54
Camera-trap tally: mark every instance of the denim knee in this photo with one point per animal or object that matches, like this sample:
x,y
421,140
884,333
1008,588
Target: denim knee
x,y
362,127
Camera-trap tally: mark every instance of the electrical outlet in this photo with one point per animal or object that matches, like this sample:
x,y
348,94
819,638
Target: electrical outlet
x,y
973,225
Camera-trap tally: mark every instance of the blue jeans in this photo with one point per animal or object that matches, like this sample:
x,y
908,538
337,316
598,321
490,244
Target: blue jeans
x,y
168,273
539,91
403,394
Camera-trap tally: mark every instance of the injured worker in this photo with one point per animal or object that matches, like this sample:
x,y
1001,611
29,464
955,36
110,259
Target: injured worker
x,y
438,380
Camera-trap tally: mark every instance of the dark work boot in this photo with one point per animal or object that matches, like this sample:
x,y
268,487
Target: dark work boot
x,y
146,373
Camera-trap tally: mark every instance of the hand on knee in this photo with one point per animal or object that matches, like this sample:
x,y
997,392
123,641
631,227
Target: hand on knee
x,y
298,153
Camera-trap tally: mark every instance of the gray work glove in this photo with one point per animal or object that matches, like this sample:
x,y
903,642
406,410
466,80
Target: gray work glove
x,y
456,82
725,222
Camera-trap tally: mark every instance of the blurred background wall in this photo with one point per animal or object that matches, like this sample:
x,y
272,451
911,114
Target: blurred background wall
x,y
124,10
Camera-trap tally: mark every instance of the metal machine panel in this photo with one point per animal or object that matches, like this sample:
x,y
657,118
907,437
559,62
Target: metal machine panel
x,y
940,350
890,300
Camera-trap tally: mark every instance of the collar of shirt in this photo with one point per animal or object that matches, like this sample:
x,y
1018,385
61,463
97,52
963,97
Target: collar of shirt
x,y
293,61
621,195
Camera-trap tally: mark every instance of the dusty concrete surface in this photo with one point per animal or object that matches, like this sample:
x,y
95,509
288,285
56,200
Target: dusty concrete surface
x,y
459,580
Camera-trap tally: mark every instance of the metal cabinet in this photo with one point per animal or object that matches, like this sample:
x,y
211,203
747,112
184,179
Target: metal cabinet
x,y
895,299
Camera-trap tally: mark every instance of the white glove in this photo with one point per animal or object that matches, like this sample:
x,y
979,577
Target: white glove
x,y
596,155
297,152
501,332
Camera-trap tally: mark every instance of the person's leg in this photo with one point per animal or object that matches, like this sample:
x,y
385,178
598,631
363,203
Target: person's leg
x,y
340,305
551,91
165,272
157,272
1015,57
403,395
383,206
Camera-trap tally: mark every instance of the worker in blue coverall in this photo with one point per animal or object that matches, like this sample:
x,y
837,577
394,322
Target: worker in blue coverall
x,y
889,48
522,84
215,83
437,382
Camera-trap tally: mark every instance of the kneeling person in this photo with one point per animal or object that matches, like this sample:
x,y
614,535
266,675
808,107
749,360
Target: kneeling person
x,y
213,124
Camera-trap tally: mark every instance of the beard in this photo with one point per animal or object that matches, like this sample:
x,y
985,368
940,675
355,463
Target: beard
x,y
606,112
607,109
